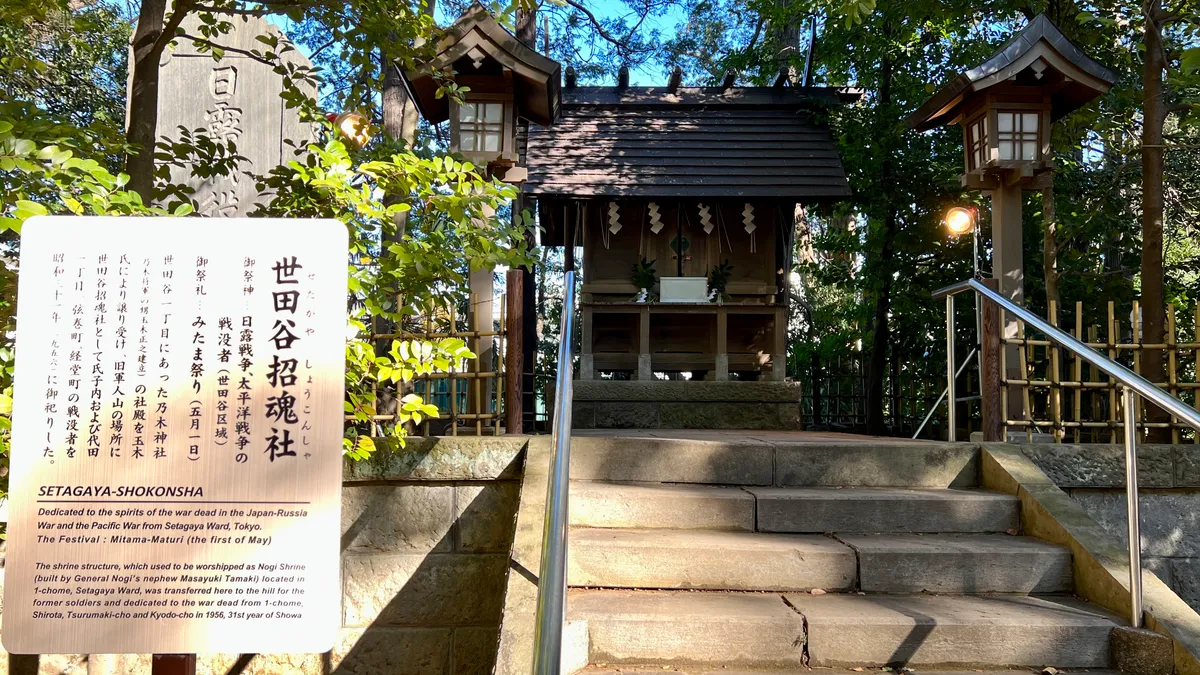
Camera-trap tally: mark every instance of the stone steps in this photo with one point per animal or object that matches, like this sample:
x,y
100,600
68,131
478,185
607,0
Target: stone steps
x,y
771,631
954,631
763,461
962,563
892,510
796,510
745,561
701,559
689,628
655,505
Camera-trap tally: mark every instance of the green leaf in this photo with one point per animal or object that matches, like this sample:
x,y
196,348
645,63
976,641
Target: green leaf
x,y
31,208
1190,61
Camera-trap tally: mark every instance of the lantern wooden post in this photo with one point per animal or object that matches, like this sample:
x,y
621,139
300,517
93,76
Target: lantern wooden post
x,y
989,366
1008,271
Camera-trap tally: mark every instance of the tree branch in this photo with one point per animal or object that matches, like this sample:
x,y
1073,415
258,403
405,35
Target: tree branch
x,y
232,10
757,30
235,50
620,43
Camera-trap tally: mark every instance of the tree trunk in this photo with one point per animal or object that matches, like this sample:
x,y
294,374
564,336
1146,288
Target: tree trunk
x,y
1050,245
1153,118
881,333
400,118
142,107
786,40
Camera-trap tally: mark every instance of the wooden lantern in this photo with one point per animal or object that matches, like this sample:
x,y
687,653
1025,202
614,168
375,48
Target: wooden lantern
x,y
505,81
1006,106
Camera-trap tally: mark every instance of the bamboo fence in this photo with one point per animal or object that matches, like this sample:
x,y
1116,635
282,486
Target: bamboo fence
x,y
470,398
1062,395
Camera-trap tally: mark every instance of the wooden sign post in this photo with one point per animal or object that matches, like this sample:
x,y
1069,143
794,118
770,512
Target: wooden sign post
x,y
177,425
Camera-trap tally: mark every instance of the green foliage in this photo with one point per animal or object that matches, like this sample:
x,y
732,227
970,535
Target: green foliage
x,y
718,278
644,274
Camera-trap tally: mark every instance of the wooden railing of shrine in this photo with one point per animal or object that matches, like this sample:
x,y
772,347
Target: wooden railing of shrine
x,y
1059,394
471,396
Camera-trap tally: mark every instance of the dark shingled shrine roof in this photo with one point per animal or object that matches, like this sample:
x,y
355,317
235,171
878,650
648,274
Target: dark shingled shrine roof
x,y
651,142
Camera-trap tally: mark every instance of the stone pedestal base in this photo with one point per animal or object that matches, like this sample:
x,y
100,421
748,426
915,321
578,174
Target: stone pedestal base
x,y
641,404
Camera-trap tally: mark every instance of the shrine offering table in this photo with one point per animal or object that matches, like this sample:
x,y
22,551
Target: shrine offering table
x,y
709,340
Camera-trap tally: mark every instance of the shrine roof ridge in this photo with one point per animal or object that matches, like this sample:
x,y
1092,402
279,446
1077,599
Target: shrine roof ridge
x,y
661,96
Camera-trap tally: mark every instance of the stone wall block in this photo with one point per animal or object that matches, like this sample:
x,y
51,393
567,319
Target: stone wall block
x,y
486,516
474,651
423,590
695,415
397,518
443,458
255,664
1161,567
1102,465
1170,521
395,651
1185,575
626,415
1187,465
583,415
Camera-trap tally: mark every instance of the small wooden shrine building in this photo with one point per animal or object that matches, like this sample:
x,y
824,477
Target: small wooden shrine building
x,y
702,182
683,200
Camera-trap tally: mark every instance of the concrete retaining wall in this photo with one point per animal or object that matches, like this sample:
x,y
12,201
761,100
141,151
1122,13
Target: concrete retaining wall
x,y
1169,482
426,535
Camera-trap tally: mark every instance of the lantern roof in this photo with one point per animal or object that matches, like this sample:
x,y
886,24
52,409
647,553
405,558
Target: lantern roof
x,y
476,44
1040,55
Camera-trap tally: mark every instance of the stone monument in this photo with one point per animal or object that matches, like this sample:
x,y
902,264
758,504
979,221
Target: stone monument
x,y
236,98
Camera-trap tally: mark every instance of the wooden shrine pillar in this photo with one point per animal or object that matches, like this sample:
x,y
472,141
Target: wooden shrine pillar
x,y
520,398
514,355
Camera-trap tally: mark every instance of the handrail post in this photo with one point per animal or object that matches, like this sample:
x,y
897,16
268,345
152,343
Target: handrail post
x,y
951,395
1131,505
552,574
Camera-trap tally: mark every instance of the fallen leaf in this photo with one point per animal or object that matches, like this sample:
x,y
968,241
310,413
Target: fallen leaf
x,y
1011,532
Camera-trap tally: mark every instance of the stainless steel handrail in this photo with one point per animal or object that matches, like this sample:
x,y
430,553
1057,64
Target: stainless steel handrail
x,y
552,579
1134,385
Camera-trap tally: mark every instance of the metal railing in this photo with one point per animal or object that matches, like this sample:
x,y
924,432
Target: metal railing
x,y
1134,385
552,578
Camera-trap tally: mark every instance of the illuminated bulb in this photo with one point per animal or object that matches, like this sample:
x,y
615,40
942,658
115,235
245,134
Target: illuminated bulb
x,y
353,127
960,220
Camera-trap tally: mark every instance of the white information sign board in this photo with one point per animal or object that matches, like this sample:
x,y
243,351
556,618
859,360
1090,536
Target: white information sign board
x,y
177,425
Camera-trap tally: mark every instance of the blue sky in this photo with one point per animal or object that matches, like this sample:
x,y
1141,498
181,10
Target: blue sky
x,y
605,9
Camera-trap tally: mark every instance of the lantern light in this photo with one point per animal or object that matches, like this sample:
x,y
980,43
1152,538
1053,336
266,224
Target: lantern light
x,y
353,127
960,220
